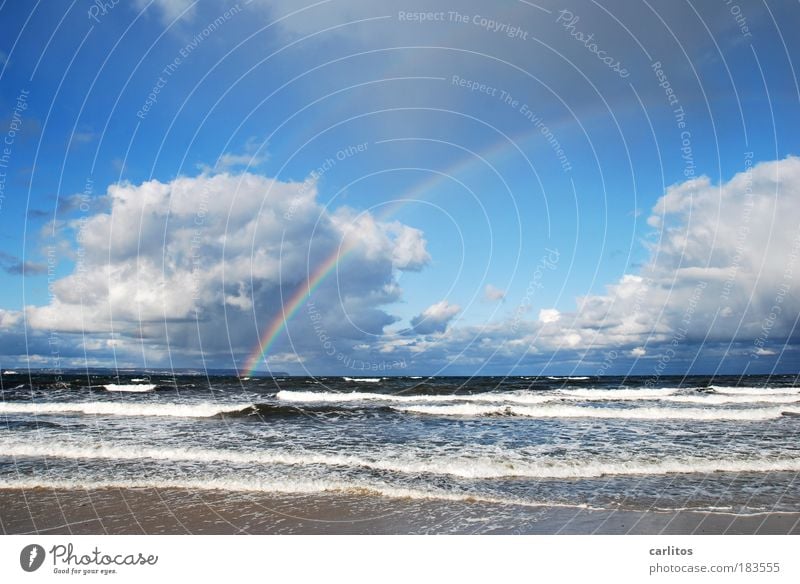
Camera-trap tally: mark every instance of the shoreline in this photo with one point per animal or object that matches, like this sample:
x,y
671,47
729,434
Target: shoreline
x,y
177,511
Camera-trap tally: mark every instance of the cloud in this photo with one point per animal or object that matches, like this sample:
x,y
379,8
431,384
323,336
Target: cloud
x,y
207,262
252,156
720,284
548,315
729,249
78,138
16,267
435,318
493,294
69,204
170,9
9,319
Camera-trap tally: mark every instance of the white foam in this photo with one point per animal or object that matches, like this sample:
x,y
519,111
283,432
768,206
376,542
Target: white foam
x,y
329,397
473,467
568,378
267,486
618,394
561,411
172,410
9,372
139,379
714,399
667,394
755,390
363,379
132,388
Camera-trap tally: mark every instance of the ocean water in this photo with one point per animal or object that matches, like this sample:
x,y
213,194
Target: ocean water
x,y
722,444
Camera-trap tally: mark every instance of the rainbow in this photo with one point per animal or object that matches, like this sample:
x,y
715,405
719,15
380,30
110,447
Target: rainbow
x,y
307,288
289,309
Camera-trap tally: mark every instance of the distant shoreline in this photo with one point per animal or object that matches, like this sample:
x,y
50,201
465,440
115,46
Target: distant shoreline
x,y
174,511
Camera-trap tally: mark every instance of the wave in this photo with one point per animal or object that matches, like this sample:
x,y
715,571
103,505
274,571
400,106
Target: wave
x,y
471,467
488,397
363,379
715,399
264,486
139,379
482,405
27,425
269,410
330,397
133,388
560,411
172,410
755,390
568,378
615,394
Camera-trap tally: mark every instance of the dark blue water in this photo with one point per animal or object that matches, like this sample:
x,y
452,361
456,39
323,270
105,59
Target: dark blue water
x,y
624,443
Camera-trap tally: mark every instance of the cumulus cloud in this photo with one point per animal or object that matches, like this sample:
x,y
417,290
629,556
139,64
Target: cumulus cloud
x,y
9,319
721,282
493,293
252,155
209,260
435,318
548,315
721,279
722,270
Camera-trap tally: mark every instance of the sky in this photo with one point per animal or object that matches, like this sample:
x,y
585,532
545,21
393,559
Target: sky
x,y
349,187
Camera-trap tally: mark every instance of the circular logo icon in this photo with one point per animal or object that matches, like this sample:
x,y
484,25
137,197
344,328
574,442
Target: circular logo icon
x,y
31,557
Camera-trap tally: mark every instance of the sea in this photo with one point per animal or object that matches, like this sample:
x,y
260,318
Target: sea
x,y
722,444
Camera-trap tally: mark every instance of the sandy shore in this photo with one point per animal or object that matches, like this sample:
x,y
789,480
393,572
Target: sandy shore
x,y
171,511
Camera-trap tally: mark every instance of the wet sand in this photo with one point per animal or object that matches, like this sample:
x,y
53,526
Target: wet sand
x,y
173,511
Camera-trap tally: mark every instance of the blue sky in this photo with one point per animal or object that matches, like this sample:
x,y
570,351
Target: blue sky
x,y
177,170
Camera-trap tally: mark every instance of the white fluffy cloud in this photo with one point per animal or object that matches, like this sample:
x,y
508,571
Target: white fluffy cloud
x,y
548,315
435,318
722,280
9,319
204,258
723,269
208,258
493,293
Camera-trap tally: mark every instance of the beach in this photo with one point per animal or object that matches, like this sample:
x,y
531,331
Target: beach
x,y
173,511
